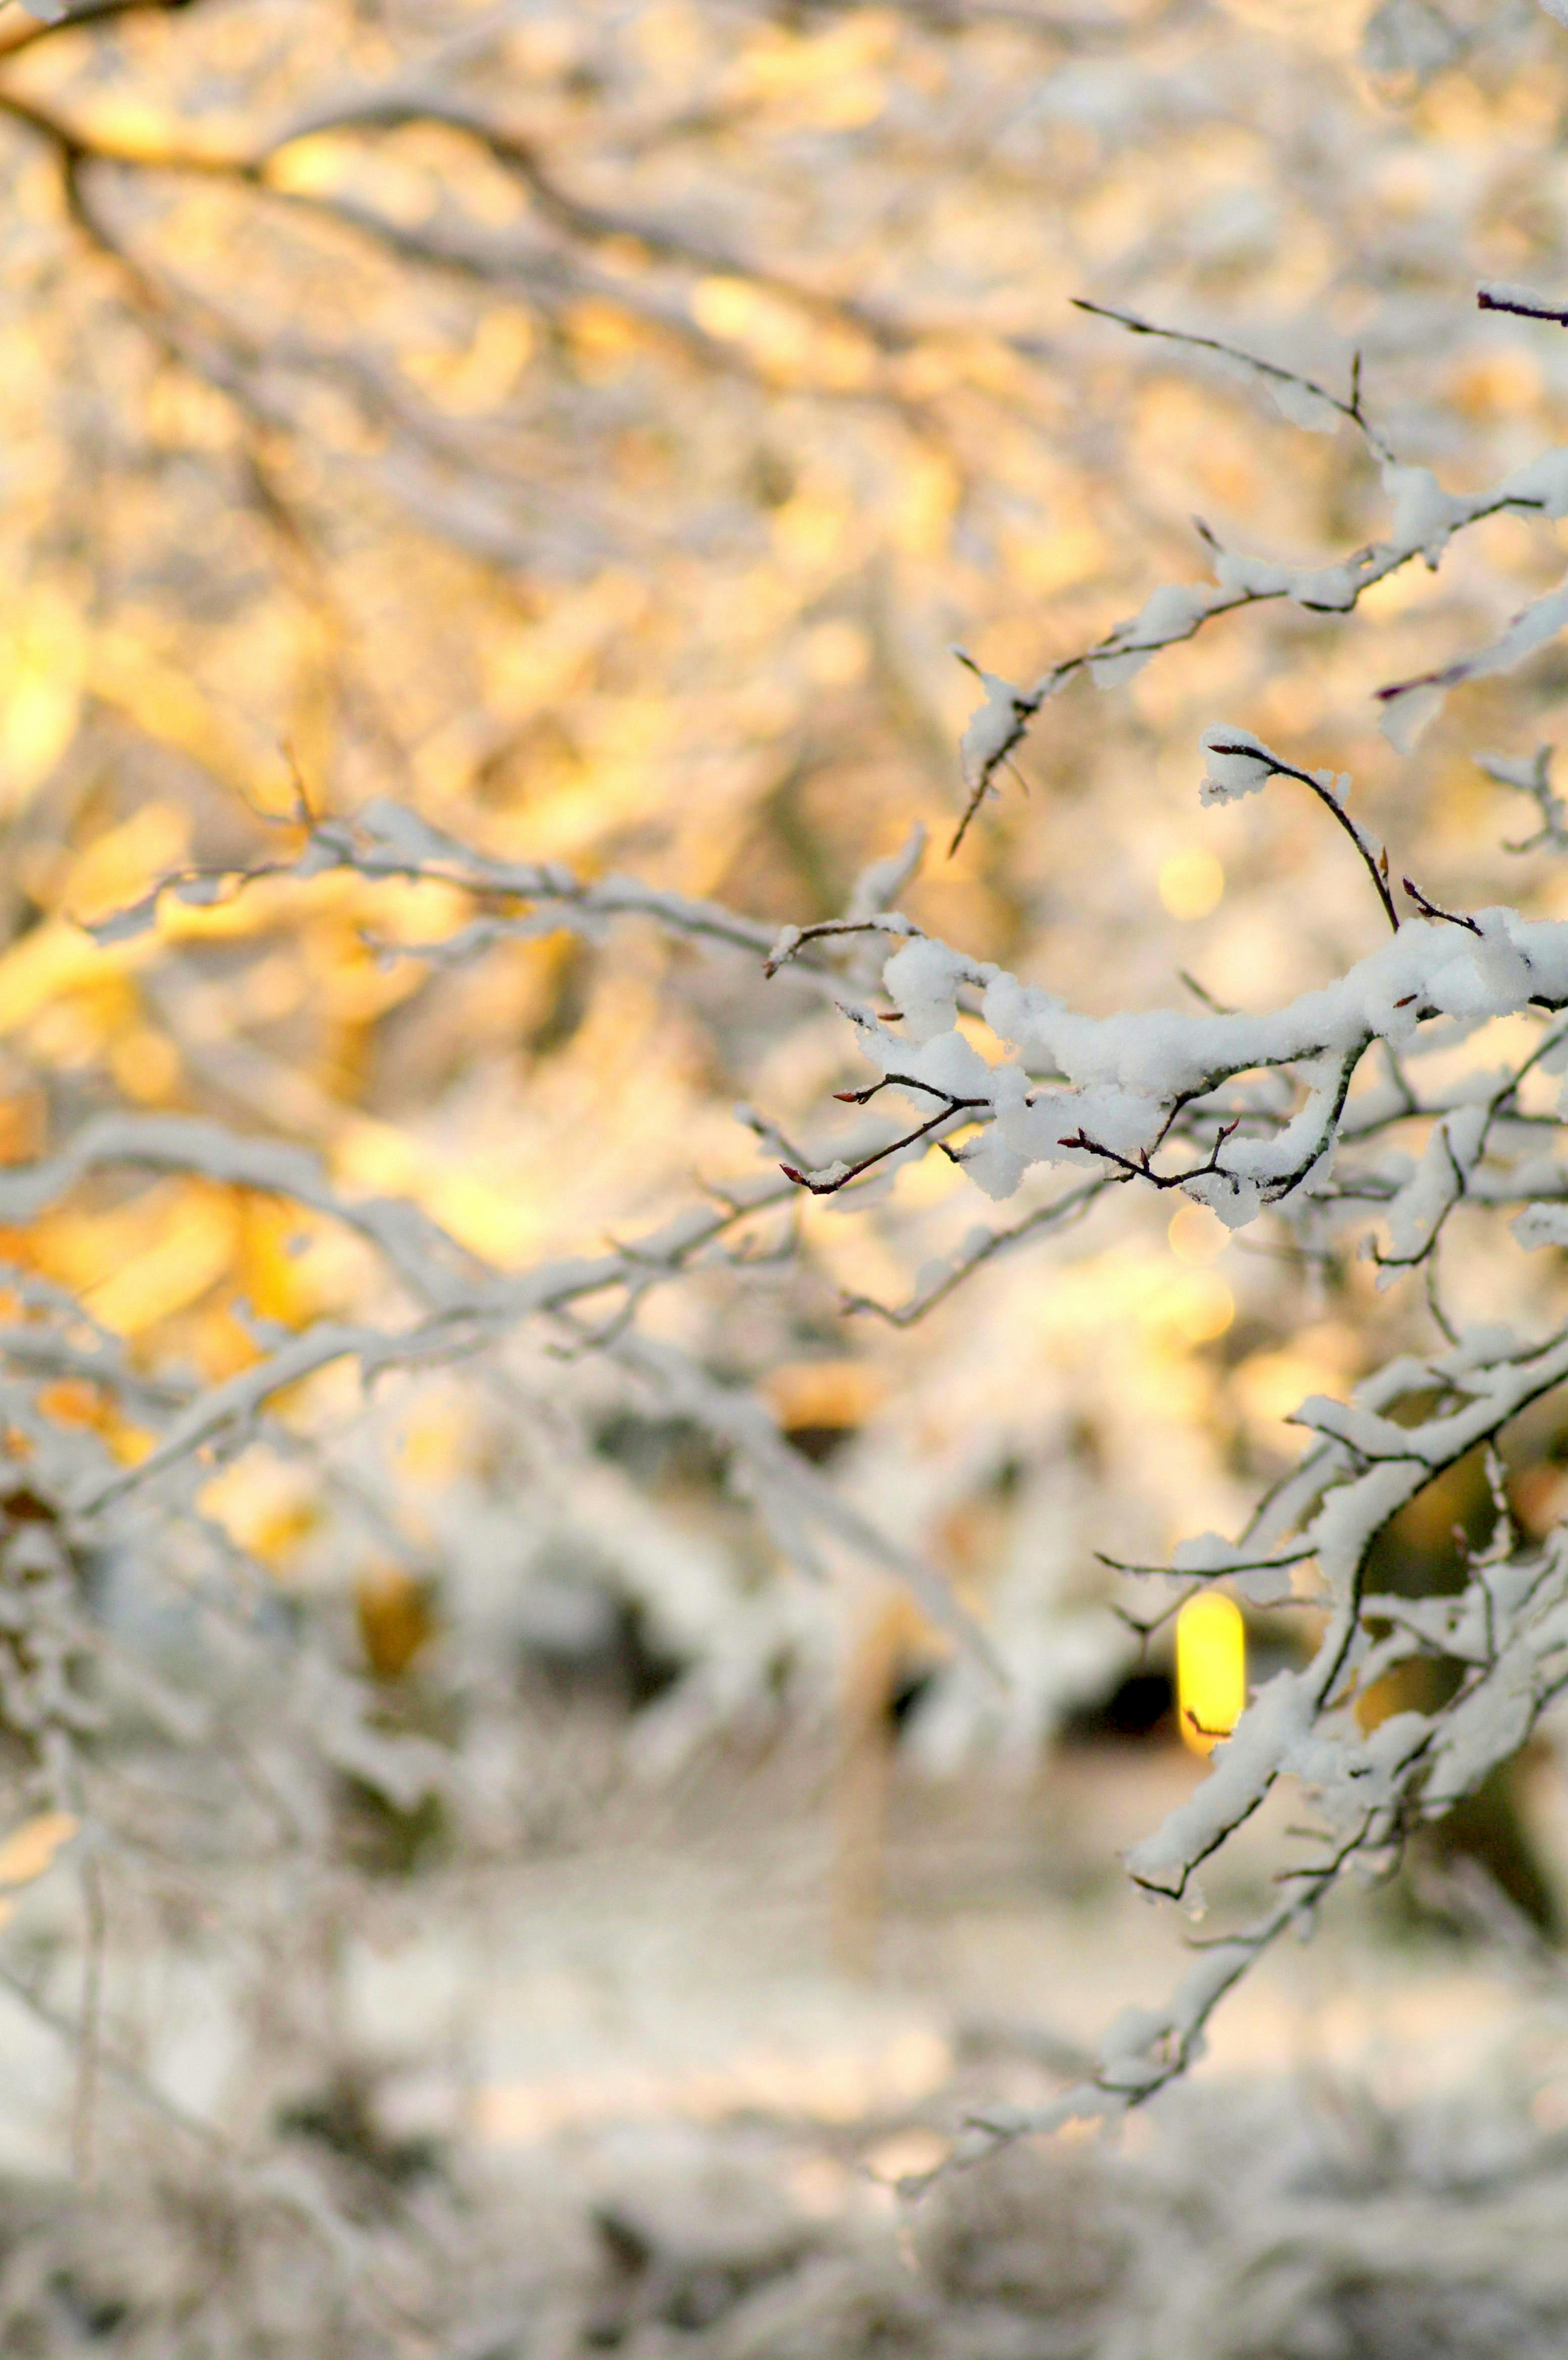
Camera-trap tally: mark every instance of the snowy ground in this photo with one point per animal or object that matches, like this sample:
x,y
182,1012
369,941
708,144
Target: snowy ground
x,y
650,2094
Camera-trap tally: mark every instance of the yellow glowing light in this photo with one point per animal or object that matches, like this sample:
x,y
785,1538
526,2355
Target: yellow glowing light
x,y
30,1849
1196,1234
308,167
192,1249
1187,1308
1190,883
1211,1669
146,1066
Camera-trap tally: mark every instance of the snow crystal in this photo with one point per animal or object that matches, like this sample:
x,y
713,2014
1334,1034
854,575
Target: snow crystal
x,y
994,1166
949,1063
1250,577
1229,1197
1266,1585
1294,398
1115,671
1330,588
1530,629
1435,1183
1022,1014
1171,613
1262,1585
1410,705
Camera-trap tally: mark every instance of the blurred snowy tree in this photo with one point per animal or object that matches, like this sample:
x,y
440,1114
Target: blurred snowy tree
x,y
490,493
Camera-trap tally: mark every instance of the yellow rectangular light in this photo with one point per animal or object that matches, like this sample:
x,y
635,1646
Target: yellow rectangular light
x,y
1211,1669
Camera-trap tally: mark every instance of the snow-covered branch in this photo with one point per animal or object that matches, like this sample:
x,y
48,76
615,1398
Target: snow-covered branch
x,y
1424,520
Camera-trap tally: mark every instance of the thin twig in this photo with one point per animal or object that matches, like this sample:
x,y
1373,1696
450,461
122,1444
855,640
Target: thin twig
x,y
822,1187
1432,910
1371,852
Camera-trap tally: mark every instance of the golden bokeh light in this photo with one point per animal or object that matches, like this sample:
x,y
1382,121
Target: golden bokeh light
x,y
1192,883
1196,1234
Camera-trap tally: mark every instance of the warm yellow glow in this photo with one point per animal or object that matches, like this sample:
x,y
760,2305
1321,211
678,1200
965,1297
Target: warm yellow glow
x,y
308,167
54,958
776,333
29,1850
192,1249
837,653
1196,1234
266,1505
475,379
394,1618
44,660
1271,1386
1190,883
146,1065
1211,1669
1188,1307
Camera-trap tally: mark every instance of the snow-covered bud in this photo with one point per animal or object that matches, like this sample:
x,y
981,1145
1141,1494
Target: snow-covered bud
x,y
1235,764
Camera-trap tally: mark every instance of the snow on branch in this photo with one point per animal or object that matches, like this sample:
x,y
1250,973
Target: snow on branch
x,y
458,1305
1409,705
1239,764
1498,295
1288,1112
1244,1112
1307,1112
466,1307
1533,779
1118,1092
1506,1635
1301,400
1423,521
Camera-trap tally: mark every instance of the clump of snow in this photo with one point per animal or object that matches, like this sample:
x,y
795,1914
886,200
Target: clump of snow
x,y
1171,613
922,979
1541,1224
995,726
1235,764
1425,515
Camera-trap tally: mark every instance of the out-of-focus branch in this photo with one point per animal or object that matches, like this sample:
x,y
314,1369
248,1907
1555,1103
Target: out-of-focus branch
x,y
1428,517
